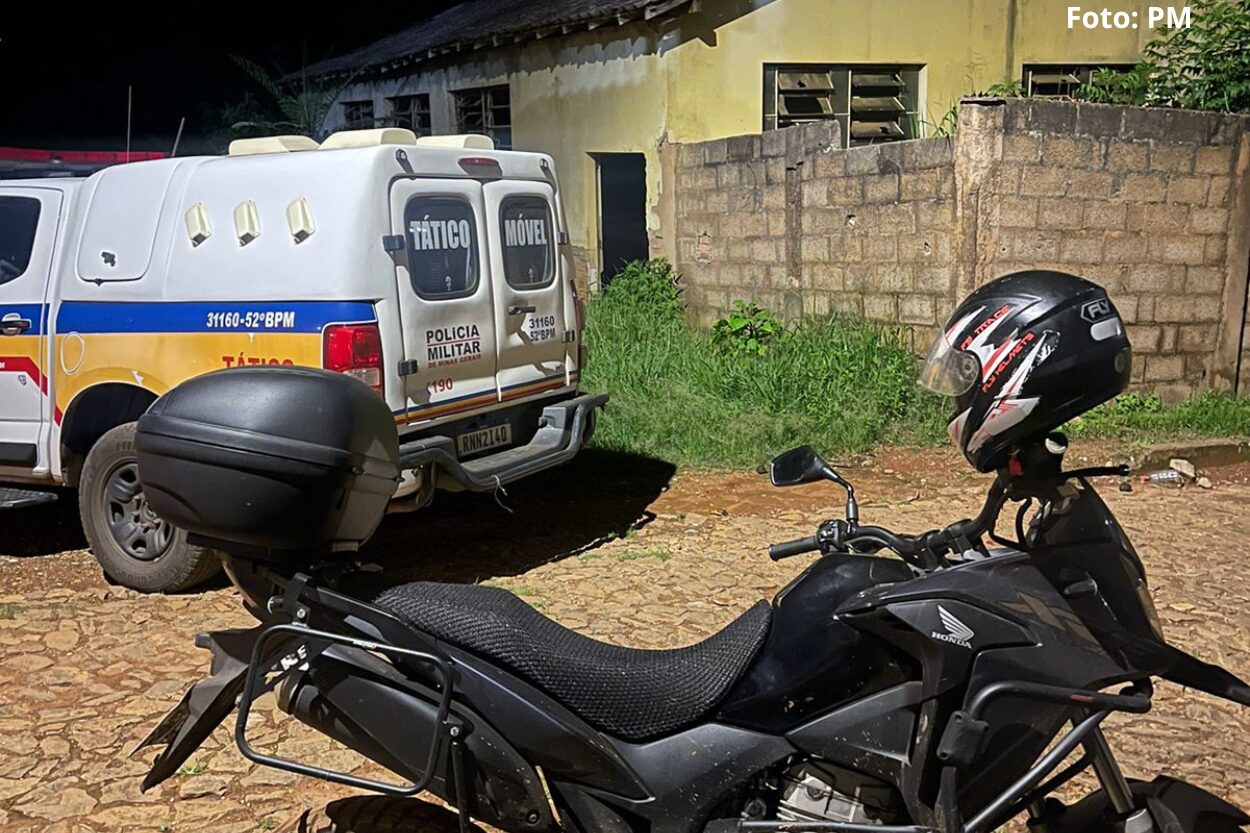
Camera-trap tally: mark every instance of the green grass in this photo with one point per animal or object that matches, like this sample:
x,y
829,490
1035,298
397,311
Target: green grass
x,y
839,384
9,611
1147,419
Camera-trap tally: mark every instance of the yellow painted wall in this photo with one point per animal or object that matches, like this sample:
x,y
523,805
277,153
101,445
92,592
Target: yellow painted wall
x,y
699,77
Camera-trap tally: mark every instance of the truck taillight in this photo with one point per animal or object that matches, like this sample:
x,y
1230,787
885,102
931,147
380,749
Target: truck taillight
x,y
355,349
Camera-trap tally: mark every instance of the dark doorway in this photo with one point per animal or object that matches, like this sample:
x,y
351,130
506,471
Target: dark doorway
x,y
622,211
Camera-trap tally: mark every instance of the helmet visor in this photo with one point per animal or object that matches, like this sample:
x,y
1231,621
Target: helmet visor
x,y
949,371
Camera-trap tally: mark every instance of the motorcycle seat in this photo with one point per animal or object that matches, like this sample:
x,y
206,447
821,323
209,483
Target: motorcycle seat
x,y
631,693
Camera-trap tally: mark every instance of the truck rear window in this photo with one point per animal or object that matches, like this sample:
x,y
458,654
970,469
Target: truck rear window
x,y
19,220
442,246
528,254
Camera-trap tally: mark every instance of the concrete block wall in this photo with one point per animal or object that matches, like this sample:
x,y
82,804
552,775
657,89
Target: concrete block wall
x,y
1152,204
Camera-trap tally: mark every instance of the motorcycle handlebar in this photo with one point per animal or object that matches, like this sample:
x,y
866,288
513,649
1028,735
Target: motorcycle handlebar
x,y
799,546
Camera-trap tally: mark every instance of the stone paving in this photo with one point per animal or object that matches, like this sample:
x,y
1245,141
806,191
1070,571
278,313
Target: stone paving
x,y
604,546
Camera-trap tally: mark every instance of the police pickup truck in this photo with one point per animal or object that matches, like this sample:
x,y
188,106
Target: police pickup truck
x,y
434,270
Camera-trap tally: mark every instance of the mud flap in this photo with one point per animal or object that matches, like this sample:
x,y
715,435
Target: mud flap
x,y
204,706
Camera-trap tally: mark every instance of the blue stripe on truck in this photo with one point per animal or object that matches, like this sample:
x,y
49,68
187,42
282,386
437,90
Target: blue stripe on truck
x,y
209,317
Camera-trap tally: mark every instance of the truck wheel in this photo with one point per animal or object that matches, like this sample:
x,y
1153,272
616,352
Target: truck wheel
x,y
135,548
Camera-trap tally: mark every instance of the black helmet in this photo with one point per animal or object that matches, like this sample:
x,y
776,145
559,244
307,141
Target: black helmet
x,y
1023,355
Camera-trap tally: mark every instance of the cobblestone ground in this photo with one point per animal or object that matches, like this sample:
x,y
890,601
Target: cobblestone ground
x,y
609,546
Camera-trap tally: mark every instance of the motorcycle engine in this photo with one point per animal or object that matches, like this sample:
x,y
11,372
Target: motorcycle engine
x,y
822,792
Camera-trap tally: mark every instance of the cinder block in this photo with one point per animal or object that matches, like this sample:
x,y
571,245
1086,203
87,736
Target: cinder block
x,y
863,159
846,191
1177,159
1204,280
921,154
1123,156
1036,181
1185,308
1104,215
1219,192
1070,152
1164,368
1125,248
1081,248
1208,220
1157,218
935,214
1156,278
881,308
1022,147
1095,184
1145,338
920,185
1216,249
1016,212
1186,249
1144,188
1099,120
916,309
1191,190
897,218
1217,160
881,188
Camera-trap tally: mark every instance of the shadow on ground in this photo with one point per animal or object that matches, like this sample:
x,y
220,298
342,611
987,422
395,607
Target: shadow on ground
x,y
469,537
43,530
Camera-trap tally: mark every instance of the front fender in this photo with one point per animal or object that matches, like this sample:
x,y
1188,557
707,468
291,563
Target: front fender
x,y
1175,806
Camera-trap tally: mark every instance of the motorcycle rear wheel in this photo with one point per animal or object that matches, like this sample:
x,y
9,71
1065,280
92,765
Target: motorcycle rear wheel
x,y
377,814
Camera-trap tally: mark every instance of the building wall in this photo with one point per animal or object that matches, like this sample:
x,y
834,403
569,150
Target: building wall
x,y
634,88
1154,205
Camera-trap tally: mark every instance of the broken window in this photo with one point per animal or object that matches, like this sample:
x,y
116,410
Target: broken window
x,y
358,115
411,112
871,102
1062,80
486,110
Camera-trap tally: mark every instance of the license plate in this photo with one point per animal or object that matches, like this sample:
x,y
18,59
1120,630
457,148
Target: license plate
x,y
471,442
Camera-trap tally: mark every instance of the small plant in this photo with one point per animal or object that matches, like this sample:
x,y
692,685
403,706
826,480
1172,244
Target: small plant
x,y
192,769
748,330
651,288
635,555
1006,89
1203,66
267,824
9,611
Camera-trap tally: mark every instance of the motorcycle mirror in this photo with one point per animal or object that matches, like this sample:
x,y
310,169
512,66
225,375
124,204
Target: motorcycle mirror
x,y
798,465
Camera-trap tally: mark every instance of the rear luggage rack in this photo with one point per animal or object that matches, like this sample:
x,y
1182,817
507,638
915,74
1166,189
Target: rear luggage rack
x,y
561,430
446,729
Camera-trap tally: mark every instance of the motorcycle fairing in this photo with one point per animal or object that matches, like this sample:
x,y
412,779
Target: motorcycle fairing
x,y
1082,547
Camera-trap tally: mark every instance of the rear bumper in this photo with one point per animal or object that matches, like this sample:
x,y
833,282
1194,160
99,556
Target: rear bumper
x,y
563,428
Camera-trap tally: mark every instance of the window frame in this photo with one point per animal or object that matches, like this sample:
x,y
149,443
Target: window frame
x,y
486,110
550,276
1084,70
34,235
358,123
424,124
475,248
841,92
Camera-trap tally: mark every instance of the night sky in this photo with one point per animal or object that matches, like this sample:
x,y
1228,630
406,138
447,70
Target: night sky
x,y
64,74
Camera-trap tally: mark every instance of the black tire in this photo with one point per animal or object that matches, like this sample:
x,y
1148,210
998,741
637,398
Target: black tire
x,y
157,557
376,814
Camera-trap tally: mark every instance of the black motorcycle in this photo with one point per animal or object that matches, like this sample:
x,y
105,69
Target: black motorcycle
x,y
952,687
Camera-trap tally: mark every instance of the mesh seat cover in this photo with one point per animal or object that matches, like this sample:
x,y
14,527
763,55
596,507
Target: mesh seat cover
x,y
631,693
